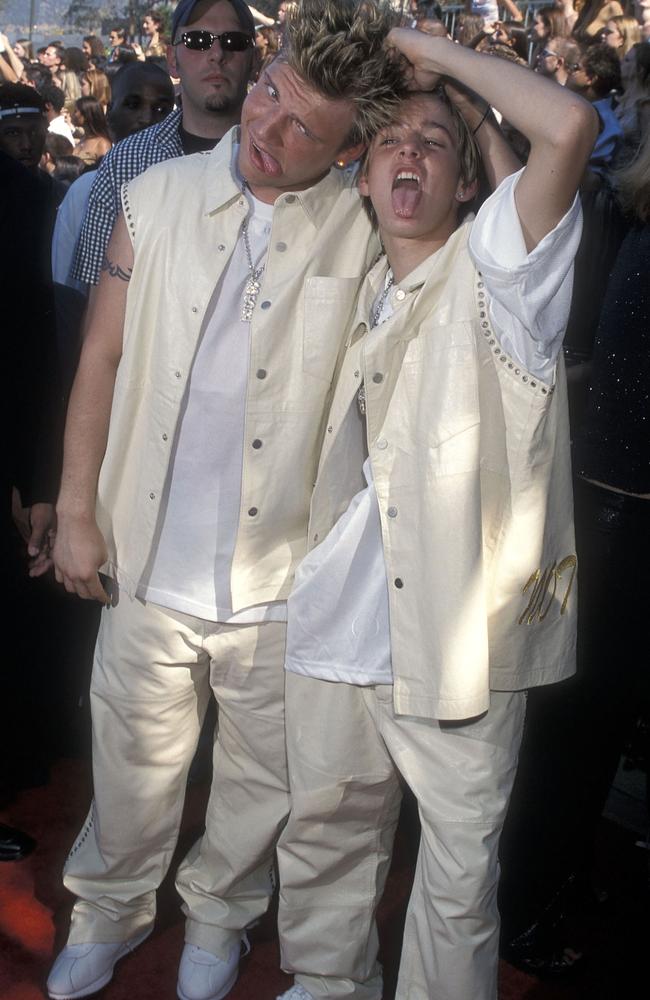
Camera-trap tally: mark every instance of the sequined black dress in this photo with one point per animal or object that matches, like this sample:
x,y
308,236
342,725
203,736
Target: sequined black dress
x,y
614,445
576,730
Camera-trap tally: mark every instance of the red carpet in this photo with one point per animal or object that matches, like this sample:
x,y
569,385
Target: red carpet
x,y
34,910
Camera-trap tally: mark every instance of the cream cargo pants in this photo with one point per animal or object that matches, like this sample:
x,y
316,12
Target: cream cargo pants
x,y
151,682
346,748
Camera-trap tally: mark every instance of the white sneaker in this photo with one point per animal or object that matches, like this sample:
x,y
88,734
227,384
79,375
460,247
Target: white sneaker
x,y
82,969
297,992
204,976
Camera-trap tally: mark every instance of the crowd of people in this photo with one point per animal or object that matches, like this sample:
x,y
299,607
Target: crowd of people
x,y
551,43
424,276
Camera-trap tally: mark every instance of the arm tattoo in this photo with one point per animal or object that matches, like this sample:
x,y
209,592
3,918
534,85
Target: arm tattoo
x,y
115,270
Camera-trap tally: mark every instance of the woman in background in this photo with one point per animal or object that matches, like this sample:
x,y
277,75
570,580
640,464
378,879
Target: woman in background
x,y
633,110
548,853
549,22
73,64
621,33
96,142
24,50
152,27
593,17
94,83
93,48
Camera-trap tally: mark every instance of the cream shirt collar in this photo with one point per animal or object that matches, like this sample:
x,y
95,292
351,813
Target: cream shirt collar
x,y
431,272
223,185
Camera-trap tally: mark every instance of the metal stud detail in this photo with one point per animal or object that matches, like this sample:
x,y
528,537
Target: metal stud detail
x,y
498,352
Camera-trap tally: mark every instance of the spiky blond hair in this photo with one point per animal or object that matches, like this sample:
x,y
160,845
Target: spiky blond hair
x,y
337,47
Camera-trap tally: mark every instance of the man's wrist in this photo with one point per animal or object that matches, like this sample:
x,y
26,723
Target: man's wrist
x,y
73,512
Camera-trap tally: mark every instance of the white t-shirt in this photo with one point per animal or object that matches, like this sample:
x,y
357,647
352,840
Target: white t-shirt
x,y
59,126
339,627
192,563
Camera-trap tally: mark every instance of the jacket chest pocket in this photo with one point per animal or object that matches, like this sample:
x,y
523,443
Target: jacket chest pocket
x,y
437,391
328,305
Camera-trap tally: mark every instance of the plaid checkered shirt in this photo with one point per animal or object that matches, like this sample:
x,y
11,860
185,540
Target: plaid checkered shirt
x,y
124,161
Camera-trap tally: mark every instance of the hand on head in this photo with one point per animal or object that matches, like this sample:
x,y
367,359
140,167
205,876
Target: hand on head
x,y
415,47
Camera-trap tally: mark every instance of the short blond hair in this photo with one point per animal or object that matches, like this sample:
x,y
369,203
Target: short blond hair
x,y
337,47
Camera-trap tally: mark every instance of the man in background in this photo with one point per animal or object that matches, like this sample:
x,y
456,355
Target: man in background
x,y
597,77
558,59
142,96
54,102
214,81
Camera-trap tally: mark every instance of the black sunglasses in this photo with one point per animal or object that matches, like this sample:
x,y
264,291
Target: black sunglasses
x,y
230,41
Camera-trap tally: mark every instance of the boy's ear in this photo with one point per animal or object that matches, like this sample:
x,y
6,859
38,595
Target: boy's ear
x,y
465,192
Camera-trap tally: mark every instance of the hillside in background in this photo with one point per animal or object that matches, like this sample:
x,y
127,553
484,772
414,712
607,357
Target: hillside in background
x,y
15,13
90,13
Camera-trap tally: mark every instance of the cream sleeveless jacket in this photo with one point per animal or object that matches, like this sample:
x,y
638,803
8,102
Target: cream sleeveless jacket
x,y
470,460
184,217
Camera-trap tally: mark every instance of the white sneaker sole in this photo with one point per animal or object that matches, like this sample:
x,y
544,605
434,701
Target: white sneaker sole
x,y
98,984
215,996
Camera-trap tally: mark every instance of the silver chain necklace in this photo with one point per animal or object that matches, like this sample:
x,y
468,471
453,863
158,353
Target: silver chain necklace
x,y
376,312
253,284
389,281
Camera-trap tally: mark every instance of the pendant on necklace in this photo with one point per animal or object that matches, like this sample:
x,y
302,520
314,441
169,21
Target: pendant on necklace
x,y
251,291
361,399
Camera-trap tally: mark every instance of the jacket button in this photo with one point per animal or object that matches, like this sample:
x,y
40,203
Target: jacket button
x,y
194,309
281,246
177,374
252,511
392,511
290,199
382,443
152,496
221,247
164,437
400,294
399,583
266,304
257,443
378,377
260,373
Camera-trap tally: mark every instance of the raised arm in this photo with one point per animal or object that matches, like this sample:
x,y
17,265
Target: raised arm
x,y
7,74
513,10
499,160
11,58
80,548
261,18
560,125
